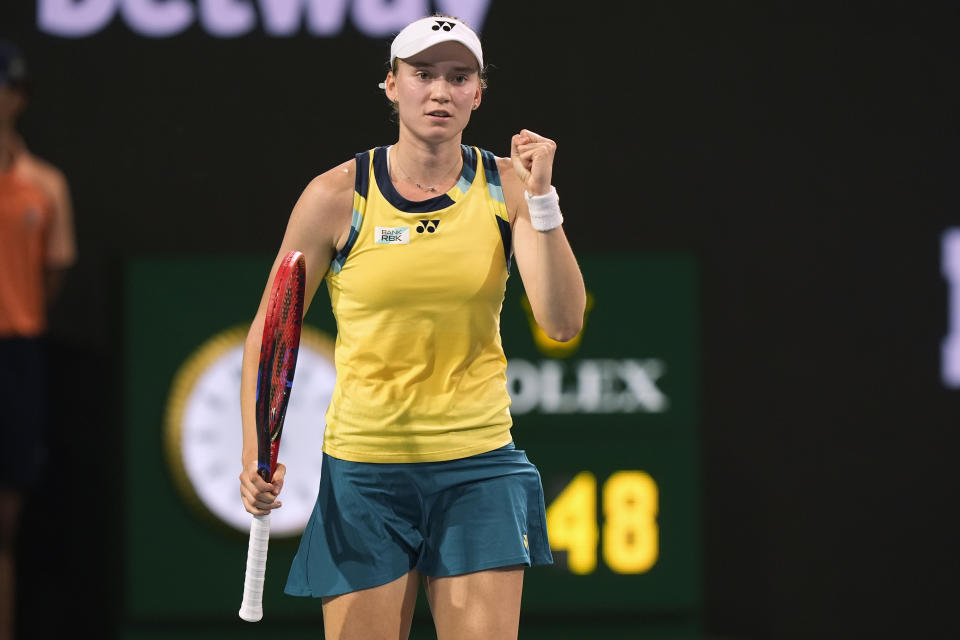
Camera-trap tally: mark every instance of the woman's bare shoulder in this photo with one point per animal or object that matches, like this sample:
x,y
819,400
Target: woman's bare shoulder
x,y
323,211
334,185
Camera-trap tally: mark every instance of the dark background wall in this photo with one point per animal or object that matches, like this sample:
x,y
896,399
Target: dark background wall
x,y
806,152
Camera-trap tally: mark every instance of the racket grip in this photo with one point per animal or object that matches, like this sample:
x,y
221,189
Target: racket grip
x,y
251,609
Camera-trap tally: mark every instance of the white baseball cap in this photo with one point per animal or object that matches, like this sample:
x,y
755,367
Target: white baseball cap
x,y
426,32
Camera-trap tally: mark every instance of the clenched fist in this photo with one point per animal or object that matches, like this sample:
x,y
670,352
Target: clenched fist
x,y
532,157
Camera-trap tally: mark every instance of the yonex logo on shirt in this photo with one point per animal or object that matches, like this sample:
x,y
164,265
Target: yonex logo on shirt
x,y
428,225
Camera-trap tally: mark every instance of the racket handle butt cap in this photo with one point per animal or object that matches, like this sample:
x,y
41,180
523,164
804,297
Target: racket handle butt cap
x,y
251,614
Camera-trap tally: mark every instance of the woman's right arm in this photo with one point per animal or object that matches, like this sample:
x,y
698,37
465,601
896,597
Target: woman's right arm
x,y
318,227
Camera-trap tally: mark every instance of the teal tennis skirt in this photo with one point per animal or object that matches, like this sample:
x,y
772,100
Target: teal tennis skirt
x,y
373,522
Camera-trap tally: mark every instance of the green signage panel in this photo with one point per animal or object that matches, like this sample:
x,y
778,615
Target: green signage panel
x,y
611,419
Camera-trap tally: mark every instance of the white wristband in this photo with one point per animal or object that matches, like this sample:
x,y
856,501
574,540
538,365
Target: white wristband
x,y
544,210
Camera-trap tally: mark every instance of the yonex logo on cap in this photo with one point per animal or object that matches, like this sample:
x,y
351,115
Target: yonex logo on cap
x,y
427,32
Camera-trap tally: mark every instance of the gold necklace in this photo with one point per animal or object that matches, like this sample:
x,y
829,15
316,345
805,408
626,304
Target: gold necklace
x,y
430,188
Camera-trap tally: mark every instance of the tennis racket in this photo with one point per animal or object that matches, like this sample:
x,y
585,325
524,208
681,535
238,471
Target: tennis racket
x,y
278,359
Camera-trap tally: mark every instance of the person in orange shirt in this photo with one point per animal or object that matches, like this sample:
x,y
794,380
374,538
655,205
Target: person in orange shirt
x,y
37,246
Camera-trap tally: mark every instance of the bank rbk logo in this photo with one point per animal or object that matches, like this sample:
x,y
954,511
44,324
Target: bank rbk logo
x,y
428,225
443,24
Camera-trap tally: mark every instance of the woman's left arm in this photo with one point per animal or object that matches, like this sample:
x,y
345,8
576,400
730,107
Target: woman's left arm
x,y
550,273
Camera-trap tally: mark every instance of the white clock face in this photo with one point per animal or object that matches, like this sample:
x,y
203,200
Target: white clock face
x,y
204,436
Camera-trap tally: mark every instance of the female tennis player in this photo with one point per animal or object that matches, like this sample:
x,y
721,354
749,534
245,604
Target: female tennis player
x,y
420,476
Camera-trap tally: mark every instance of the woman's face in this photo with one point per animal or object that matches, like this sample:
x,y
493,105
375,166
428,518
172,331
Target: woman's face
x,y
436,90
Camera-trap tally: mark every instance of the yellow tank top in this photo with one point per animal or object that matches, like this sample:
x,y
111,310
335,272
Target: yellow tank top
x,y
416,292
